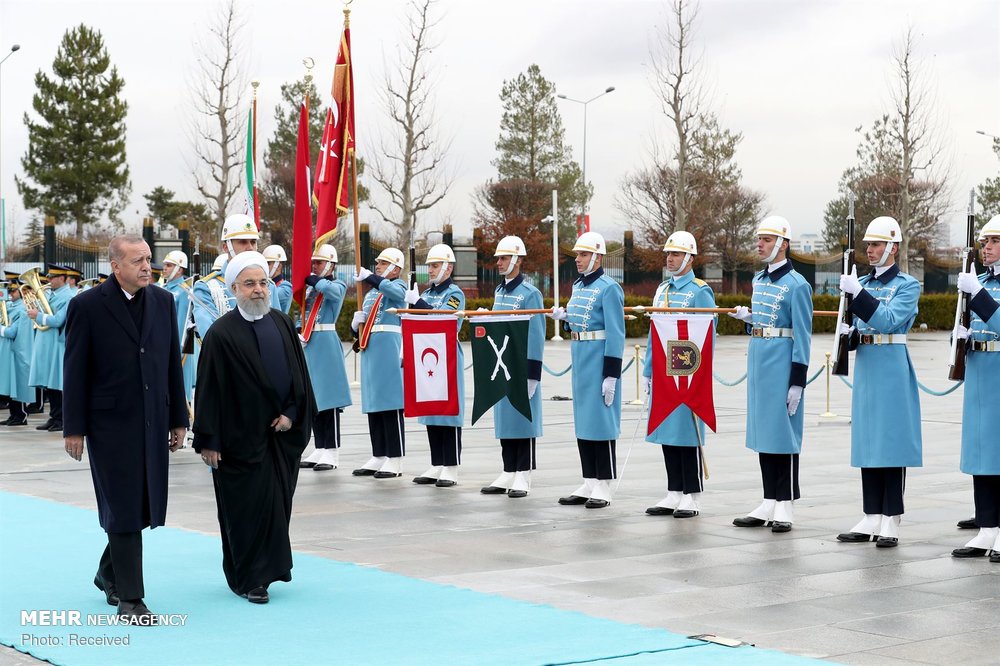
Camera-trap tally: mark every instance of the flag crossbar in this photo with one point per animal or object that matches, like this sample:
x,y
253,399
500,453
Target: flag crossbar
x,y
637,309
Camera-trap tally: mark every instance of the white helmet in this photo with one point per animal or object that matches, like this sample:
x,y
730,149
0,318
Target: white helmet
x,y
391,255
239,226
219,262
176,257
883,229
325,253
775,225
590,241
681,241
274,253
991,228
440,253
510,246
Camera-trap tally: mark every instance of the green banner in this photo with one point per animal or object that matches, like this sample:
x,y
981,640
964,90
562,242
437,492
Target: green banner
x,y
499,364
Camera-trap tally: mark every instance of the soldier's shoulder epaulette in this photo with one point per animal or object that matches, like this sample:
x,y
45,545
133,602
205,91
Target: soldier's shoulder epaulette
x,y
210,276
700,282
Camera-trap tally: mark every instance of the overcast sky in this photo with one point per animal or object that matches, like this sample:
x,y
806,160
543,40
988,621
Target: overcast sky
x,y
796,77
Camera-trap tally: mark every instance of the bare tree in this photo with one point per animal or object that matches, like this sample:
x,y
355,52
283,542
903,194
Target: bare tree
x,y
680,94
409,165
219,123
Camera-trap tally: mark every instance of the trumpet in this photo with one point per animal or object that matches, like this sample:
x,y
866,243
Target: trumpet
x,y
4,319
33,296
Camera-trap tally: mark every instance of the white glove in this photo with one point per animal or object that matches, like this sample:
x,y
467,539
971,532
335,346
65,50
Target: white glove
x,y
742,313
793,399
412,295
359,318
649,384
849,283
845,329
302,340
558,313
361,274
969,283
961,332
608,387
481,310
532,387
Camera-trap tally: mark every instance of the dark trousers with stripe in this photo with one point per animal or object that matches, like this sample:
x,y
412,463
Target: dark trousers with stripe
x,y
598,459
987,495
518,454
882,490
17,412
446,445
684,470
779,473
387,433
326,429
121,565
55,405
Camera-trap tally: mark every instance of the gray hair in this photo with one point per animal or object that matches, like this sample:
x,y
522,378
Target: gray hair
x,y
116,251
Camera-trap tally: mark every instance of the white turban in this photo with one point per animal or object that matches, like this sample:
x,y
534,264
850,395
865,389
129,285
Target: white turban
x,y
241,262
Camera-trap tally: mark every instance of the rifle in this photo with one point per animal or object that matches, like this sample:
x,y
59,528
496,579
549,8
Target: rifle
x,y
840,342
956,370
413,260
187,340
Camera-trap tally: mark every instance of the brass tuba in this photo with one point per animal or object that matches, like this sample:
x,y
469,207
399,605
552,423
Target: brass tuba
x,y
33,296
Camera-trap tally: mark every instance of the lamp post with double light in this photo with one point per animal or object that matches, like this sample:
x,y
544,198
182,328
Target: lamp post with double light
x,y
583,205
3,203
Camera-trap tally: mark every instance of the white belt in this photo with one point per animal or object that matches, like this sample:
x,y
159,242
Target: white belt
x,y
587,335
883,339
985,345
324,327
386,328
770,332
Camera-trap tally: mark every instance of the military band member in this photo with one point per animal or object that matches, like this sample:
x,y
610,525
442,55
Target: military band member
x,y
444,433
777,360
73,279
16,337
883,308
325,357
517,434
980,444
275,255
49,346
381,341
682,434
595,319
174,266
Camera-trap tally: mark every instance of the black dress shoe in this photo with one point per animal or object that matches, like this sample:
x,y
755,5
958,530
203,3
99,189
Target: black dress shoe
x,y
659,511
780,526
969,552
685,513
305,464
323,467
995,557
596,503
514,494
55,427
385,475
424,480
257,595
749,521
44,426
6,421
363,471
445,483
573,499
110,593
492,490
968,524
887,542
135,613
855,537
22,422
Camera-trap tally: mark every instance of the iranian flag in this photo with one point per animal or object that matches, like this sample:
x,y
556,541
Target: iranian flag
x,y
250,185
430,365
499,363
682,367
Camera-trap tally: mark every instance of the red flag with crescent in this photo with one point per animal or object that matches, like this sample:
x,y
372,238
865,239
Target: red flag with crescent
x,y
430,365
682,367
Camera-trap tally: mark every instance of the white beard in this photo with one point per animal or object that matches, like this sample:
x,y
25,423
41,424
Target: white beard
x,y
253,307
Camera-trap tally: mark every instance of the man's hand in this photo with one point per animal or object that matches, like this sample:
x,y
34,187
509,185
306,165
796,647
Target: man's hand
x,y
32,313
849,283
211,458
793,399
532,387
558,314
177,438
742,313
649,384
362,274
969,283
961,332
608,388
412,295
281,424
311,280
845,329
357,320
74,446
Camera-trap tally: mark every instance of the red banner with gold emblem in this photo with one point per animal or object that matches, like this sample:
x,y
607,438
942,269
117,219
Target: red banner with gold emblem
x,y
682,367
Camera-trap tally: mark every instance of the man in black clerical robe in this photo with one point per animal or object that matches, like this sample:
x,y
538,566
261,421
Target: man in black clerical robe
x,y
253,417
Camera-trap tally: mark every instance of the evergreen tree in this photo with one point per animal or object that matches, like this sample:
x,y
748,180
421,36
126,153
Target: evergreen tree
x,y
75,167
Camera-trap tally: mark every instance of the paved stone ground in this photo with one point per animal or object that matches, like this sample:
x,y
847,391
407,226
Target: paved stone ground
x,y
801,592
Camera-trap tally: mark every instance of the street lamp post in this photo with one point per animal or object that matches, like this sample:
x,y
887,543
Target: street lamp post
x,y
583,206
3,203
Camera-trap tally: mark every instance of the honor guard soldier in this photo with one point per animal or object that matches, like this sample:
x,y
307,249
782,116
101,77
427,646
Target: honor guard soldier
x,y
324,356
17,336
517,434
444,433
980,445
50,346
380,340
595,319
884,306
174,266
275,255
682,434
780,326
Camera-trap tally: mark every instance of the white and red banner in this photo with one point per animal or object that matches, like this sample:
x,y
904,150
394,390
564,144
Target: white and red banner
x,y
430,365
682,366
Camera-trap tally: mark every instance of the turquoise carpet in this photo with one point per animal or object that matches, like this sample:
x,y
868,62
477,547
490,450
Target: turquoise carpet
x,y
331,612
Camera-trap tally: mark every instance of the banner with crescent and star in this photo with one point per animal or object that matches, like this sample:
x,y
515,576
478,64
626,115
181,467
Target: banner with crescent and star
x,y
430,365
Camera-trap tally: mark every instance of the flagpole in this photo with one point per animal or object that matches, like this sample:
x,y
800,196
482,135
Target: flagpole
x,y
534,311
642,308
256,207
354,176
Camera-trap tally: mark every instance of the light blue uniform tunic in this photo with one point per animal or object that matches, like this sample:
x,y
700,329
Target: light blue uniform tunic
x,y
324,351
209,292
189,362
980,435
381,372
884,436
282,289
685,291
596,306
50,346
6,347
16,364
781,299
447,296
508,423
